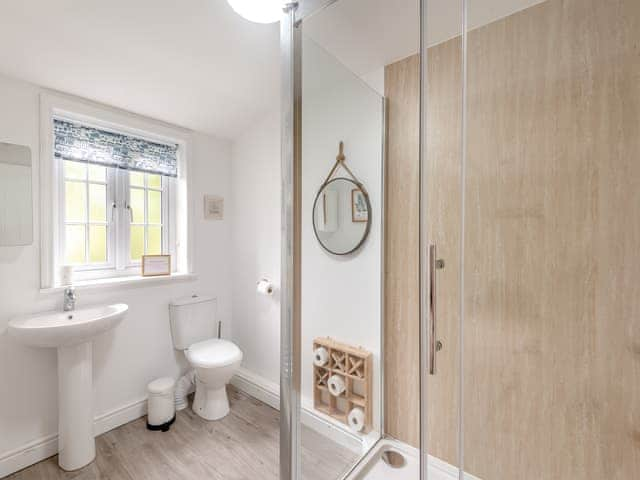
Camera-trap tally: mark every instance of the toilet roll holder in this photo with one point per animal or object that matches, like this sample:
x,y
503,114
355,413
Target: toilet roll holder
x,y
353,366
265,286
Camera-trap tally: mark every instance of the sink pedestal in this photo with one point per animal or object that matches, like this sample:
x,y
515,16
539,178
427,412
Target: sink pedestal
x,y
72,334
76,442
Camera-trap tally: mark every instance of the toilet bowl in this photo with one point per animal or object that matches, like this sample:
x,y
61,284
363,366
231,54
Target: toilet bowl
x,y
215,361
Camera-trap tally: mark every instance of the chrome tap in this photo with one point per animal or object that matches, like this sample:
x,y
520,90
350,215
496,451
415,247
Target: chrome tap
x,y
69,299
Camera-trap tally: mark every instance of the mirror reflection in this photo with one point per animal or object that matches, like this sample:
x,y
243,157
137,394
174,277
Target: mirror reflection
x,y
341,216
16,218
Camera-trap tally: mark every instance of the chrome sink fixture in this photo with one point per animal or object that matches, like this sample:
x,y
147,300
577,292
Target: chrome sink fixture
x,y
72,333
69,299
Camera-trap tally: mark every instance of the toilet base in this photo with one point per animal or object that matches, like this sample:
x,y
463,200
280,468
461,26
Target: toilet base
x,y
210,403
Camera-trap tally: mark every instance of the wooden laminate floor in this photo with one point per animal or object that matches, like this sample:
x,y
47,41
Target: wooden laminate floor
x,y
242,446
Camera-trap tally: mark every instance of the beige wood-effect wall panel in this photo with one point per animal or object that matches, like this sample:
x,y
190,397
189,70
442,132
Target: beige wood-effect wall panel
x,y
402,314
552,333
444,136
552,287
402,381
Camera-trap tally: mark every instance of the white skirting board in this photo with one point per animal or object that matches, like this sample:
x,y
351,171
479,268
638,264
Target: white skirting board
x,y
45,447
269,393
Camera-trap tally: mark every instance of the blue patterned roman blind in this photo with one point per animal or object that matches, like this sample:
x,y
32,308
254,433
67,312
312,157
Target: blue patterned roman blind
x,y
81,143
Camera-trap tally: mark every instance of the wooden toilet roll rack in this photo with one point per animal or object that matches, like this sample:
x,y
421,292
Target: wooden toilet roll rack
x,y
354,366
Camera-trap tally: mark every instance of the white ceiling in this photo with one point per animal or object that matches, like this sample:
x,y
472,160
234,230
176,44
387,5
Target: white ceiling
x,y
368,34
195,63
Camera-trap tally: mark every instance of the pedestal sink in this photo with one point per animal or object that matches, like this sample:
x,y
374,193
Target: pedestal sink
x,y
71,333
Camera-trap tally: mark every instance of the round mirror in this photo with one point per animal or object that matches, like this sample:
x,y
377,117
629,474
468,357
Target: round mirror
x,y
341,216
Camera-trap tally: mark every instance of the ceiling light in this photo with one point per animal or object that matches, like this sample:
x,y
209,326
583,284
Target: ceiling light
x,y
259,11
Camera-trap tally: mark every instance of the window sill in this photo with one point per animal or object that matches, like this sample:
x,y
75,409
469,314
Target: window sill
x,y
119,282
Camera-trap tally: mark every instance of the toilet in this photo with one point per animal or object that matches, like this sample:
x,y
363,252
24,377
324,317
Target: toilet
x,y
193,329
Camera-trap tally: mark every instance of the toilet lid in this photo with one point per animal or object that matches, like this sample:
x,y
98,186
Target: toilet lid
x,y
213,353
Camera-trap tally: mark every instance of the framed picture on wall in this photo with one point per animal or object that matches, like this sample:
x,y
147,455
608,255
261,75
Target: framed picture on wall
x,y
213,207
359,211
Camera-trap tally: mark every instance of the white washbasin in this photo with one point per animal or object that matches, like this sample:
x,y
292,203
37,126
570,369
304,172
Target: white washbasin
x,y
72,334
60,329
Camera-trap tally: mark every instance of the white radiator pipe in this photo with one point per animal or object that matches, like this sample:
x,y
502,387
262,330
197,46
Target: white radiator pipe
x,y
183,387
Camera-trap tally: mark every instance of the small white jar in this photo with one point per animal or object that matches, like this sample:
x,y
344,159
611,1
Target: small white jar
x,y
161,408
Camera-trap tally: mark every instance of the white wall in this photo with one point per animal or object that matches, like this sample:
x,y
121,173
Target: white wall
x,y
140,349
375,79
256,245
340,295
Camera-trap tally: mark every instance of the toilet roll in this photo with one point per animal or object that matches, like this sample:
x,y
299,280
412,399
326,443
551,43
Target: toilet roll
x,y
336,385
320,357
356,419
265,287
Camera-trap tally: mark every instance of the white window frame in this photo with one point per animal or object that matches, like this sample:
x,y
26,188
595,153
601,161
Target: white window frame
x,y
110,183
177,211
126,217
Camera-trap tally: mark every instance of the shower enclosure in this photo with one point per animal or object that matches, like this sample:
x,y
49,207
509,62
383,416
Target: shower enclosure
x,y
498,147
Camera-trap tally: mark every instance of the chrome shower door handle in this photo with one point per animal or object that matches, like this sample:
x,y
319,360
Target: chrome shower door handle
x,y
434,345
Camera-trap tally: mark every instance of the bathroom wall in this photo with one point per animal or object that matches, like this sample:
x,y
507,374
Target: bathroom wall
x,y
140,349
341,295
402,262
255,174
551,378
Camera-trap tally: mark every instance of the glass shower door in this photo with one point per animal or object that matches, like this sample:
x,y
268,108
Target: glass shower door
x,y
341,282
337,61
337,214
441,234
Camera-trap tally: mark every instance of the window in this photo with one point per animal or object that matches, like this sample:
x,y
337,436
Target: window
x,y
87,190
116,198
146,215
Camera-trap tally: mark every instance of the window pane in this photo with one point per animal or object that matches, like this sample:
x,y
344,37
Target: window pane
x,y
74,242
97,203
136,179
137,205
154,181
154,241
137,242
97,244
75,170
75,202
97,173
154,203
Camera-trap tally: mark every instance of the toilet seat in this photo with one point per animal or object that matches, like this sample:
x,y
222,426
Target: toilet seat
x,y
213,353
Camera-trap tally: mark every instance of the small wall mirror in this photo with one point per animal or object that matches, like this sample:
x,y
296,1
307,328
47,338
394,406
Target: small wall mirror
x,y
16,205
341,216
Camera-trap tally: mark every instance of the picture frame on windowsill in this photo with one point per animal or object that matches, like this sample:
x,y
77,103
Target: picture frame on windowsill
x,y
156,265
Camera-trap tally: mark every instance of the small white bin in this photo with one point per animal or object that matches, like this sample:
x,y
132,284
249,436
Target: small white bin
x,y
161,408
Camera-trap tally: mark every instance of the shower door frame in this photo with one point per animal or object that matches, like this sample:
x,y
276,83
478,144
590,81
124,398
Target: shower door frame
x,y
294,13
428,335
290,97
